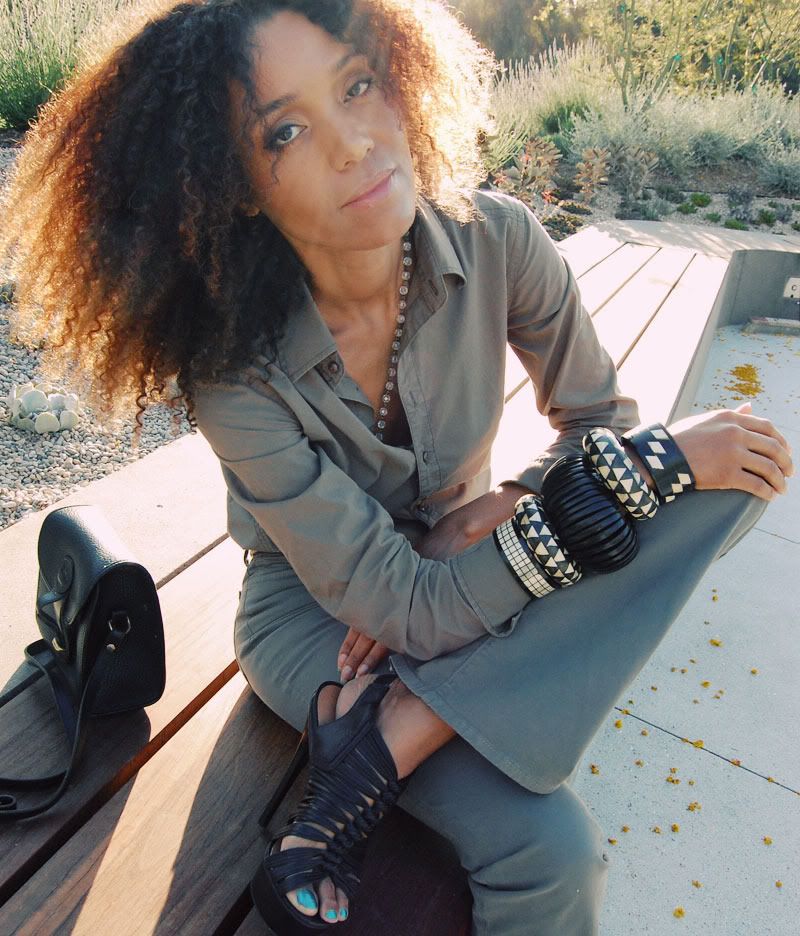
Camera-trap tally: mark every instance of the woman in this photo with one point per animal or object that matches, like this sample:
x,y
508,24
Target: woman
x,y
272,203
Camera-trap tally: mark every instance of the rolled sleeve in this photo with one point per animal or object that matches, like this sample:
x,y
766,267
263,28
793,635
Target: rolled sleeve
x,y
341,542
573,376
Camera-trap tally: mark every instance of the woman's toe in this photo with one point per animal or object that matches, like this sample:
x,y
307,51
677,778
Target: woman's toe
x,y
342,901
328,905
304,900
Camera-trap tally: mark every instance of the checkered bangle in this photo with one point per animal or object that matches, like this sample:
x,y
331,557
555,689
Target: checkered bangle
x,y
619,474
540,537
519,560
664,459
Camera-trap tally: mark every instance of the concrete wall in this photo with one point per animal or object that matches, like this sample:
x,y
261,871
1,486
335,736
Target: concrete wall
x,y
753,286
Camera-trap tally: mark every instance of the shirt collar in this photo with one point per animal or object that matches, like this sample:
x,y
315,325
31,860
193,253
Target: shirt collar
x,y
307,340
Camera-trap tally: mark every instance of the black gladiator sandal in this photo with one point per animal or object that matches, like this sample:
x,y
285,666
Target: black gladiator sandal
x,y
349,765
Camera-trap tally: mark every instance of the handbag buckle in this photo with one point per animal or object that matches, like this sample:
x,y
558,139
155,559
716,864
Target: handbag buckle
x,y
118,632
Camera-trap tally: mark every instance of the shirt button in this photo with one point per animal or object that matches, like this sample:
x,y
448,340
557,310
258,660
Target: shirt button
x,y
333,367
427,456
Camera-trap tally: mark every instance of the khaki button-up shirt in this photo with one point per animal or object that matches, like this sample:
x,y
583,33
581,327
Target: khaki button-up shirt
x,y
307,478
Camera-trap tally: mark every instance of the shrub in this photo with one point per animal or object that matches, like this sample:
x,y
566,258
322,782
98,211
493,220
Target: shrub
x,y
547,94
735,224
796,225
592,172
740,200
41,43
631,167
765,216
670,193
713,216
687,208
700,199
781,171
783,212
573,207
561,226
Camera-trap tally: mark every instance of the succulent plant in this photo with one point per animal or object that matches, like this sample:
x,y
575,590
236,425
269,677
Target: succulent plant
x,y
42,408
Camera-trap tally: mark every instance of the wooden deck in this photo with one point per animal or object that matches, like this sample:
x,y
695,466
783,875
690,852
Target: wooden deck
x,y
158,834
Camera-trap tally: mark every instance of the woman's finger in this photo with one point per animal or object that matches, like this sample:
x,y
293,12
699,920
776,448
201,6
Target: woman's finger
x,y
359,651
372,659
347,645
764,427
771,449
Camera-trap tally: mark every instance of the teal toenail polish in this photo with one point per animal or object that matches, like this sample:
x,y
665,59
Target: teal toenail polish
x,y
343,913
330,914
307,899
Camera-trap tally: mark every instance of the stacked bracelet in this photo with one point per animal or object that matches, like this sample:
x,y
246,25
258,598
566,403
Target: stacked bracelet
x,y
619,473
584,518
520,560
665,461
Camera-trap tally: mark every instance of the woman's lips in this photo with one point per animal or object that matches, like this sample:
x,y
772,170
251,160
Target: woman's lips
x,y
375,194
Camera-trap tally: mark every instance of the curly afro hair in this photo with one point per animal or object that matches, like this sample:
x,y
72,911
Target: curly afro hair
x,y
135,266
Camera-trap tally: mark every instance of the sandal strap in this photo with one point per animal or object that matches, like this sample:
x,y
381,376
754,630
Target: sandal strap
x,y
335,812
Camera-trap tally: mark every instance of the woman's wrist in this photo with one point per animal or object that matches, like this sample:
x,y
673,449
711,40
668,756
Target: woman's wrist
x,y
484,514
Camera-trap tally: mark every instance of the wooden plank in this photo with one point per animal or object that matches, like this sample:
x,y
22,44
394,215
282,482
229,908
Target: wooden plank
x,y
624,318
588,247
522,434
175,848
198,609
607,278
656,368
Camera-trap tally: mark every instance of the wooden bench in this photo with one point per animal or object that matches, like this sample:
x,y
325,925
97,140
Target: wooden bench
x,y
159,832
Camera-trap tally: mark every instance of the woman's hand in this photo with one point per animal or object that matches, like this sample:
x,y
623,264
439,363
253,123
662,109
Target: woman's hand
x,y
359,654
734,449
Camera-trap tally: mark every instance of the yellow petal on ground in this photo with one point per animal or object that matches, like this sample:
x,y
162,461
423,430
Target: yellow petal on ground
x,y
679,912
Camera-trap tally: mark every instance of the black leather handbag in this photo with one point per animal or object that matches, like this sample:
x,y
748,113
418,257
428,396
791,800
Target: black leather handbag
x,y
102,645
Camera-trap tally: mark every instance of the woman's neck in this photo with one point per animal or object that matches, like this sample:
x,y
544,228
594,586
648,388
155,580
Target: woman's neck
x,y
350,285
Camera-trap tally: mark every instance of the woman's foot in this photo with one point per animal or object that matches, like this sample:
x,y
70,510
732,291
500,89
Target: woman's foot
x,y
411,731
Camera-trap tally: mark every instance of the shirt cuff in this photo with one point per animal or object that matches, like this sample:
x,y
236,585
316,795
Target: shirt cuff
x,y
490,586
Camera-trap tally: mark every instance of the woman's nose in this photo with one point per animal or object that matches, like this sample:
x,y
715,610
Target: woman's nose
x,y
350,142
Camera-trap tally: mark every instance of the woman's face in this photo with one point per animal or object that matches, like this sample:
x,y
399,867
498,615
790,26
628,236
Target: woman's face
x,y
330,164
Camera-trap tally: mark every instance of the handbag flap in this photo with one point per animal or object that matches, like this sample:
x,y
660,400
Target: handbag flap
x,y
76,546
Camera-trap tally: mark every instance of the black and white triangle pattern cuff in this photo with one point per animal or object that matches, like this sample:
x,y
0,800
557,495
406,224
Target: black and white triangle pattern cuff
x,y
619,474
664,459
543,542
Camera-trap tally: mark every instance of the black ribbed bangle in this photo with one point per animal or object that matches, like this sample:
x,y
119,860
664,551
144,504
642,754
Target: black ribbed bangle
x,y
619,473
664,459
591,523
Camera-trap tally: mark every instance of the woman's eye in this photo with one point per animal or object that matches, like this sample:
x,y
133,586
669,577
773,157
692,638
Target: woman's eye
x,y
359,88
283,136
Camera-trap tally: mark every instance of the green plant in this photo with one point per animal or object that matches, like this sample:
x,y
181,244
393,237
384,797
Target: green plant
x,y
592,171
700,199
562,225
631,167
687,208
533,170
781,171
713,216
772,204
796,225
783,211
740,200
573,207
735,224
765,216
669,193
41,42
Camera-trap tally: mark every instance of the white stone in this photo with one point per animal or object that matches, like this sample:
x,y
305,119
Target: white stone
x,y
47,422
34,401
68,419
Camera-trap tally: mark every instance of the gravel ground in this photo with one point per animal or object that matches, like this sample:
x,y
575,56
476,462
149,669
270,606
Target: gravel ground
x,y
38,470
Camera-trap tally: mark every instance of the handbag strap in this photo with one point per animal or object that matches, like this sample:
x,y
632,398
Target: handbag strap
x,y
41,657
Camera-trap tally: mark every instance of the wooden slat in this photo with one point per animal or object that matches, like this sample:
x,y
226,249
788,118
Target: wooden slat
x,y
522,434
607,278
587,248
198,608
622,319
656,368
175,848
